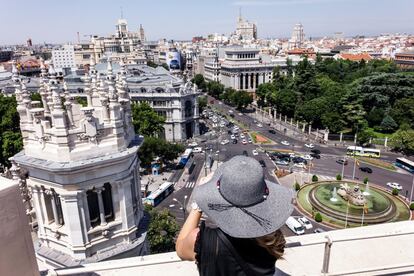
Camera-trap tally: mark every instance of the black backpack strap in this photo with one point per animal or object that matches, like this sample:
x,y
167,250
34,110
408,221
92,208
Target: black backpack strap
x,y
236,255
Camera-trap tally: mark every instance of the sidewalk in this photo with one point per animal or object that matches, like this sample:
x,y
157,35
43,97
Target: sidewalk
x,y
154,181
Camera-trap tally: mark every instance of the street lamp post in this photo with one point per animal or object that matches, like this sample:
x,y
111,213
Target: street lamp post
x,y
343,168
182,205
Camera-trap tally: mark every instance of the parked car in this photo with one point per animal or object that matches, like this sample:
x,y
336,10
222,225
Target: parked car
x,y
315,155
299,160
394,185
281,155
319,230
272,157
366,169
234,141
198,150
262,163
245,153
299,165
255,152
286,143
316,151
295,226
250,141
244,142
311,146
272,131
307,157
259,125
305,223
225,142
242,136
193,144
282,162
342,161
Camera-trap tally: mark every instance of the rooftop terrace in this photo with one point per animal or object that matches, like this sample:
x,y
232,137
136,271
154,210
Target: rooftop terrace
x,y
372,250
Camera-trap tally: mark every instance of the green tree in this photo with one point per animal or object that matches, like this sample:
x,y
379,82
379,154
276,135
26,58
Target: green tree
x,y
338,177
388,125
395,192
215,89
403,111
314,178
296,186
265,94
165,66
199,81
202,103
81,100
241,99
365,135
146,121
366,179
152,64
318,217
156,147
10,137
312,111
333,121
162,230
403,141
36,97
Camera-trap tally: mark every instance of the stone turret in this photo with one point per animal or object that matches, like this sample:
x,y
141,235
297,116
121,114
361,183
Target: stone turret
x,y
83,167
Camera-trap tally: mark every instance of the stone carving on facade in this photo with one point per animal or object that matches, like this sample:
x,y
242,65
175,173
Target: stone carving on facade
x,y
354,196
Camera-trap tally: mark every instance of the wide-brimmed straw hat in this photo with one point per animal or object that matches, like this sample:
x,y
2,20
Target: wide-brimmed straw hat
x,y
241,202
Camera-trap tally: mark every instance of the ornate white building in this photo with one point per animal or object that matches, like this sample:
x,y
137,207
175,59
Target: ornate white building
x,y
83,165
298,37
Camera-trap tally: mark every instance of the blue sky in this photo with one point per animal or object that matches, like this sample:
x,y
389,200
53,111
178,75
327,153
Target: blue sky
x,y
59,21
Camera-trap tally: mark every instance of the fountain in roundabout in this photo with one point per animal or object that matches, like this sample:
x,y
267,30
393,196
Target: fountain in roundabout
x,y
340,201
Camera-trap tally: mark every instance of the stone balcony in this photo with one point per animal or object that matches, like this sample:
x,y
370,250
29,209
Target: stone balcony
x,y
372,250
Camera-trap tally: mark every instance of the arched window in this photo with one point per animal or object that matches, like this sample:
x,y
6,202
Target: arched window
x,y
188,109
93,207
107,201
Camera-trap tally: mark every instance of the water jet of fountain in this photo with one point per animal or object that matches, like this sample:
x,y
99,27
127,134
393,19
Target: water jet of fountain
x,y
333,198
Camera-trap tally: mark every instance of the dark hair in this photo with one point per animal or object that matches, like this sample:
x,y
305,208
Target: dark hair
x,y
274,243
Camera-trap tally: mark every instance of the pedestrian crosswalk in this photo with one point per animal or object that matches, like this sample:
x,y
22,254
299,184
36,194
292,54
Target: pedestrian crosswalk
x,y
190,184
326,178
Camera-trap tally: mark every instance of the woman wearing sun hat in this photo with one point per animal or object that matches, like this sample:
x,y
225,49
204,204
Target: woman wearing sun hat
x,y
246,212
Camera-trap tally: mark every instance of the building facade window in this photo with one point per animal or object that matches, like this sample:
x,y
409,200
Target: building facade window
x,y
100,204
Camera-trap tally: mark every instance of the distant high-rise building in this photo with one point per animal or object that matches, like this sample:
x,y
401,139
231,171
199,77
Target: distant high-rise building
x,y
141,33
63,58
245,30
298,37
29,42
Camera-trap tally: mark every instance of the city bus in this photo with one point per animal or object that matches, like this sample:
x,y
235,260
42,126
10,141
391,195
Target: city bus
x,y
360,151
160,194
185,157
405,164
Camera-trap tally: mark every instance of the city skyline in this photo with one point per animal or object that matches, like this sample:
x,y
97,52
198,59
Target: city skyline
x,y
274,18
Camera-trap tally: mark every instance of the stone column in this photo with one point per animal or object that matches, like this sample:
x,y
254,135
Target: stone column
x,y
40,216
280,117
73,223
101,206
291,121
85,209
309,130
285,118
303,128
264,77
254,80
386,142
297,124
243,77
274,114
340,137
43,205
248,80
54,209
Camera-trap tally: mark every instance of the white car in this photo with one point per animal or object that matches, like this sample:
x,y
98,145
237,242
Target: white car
x,y
242,136
394,185
244,142
311,146
255,152
305,223
225,142
286,143
198,150
236,128
240,114
307,157
282,162
193,144
250,141
299,165
259,125
232,137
